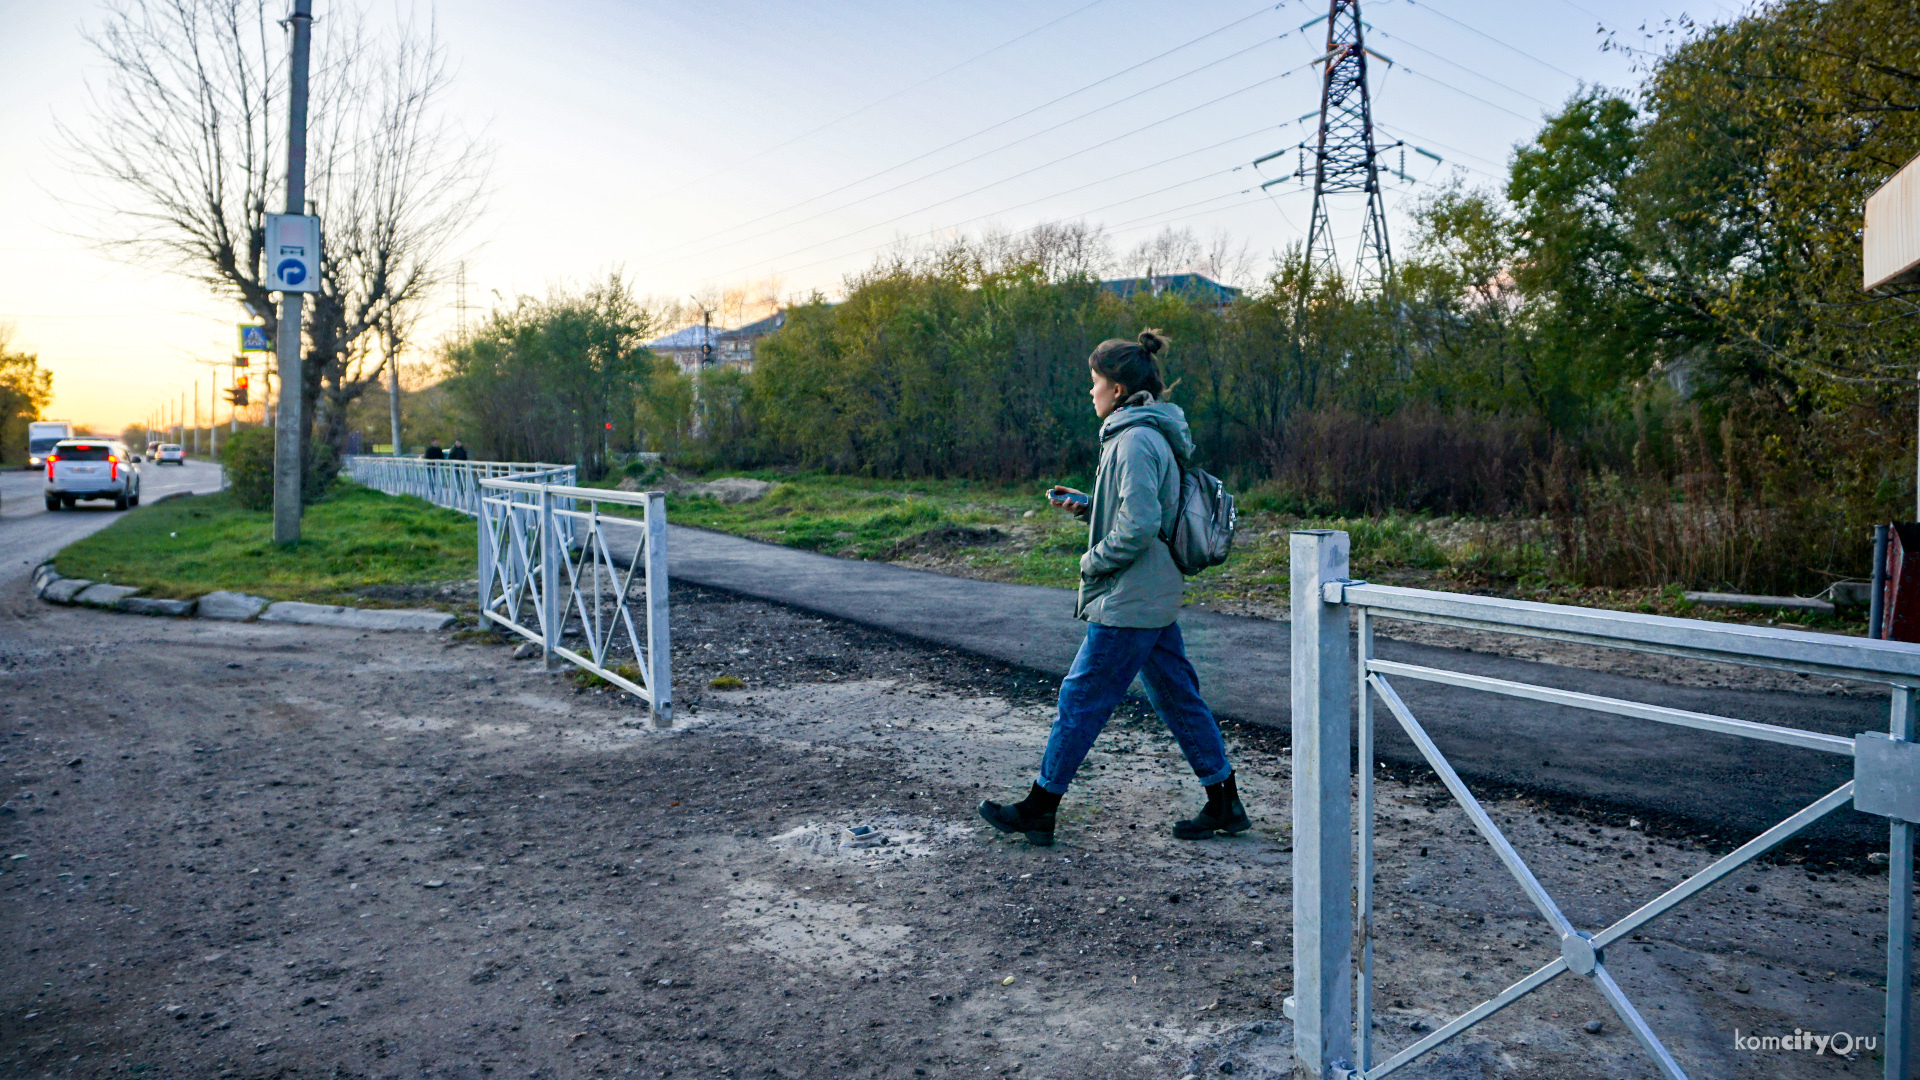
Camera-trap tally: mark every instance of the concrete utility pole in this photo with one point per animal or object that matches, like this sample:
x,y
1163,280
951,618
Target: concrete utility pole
x,y
287,451
393,390
213,417
196,416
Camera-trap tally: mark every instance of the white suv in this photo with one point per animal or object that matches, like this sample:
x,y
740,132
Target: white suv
x,y
92,469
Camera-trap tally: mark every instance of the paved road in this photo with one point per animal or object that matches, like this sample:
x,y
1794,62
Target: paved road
x,y
28,533
1731,785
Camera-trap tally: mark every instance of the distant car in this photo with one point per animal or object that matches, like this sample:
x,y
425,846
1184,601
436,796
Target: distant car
x,y
170,454
153,450
91,469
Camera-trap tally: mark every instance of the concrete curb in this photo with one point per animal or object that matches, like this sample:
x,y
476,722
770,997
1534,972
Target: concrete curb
x,y
49,586
231,606
293,611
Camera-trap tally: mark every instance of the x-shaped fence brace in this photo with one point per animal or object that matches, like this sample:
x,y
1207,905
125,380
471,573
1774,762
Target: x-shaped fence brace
x,y
1886,782
545,547
1581,953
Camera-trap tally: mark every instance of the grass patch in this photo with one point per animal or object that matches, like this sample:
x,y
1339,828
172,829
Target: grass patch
x,y
855,517
352,539
590,681
861,518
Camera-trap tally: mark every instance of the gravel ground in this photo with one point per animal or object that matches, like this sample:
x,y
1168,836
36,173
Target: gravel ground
x,y
270,851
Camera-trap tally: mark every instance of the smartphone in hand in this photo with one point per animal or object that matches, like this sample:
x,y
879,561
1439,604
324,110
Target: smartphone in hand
x,y
1072,497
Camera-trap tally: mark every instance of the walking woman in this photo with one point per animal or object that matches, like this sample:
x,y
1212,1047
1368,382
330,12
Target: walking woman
x,y
1129,596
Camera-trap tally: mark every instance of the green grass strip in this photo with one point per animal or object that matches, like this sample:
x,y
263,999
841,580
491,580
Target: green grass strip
x,y
352,539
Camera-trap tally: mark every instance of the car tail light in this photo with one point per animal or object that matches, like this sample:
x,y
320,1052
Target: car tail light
x,y
51,458
113,467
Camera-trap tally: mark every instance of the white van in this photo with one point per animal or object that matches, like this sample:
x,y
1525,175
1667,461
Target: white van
x,y
41,437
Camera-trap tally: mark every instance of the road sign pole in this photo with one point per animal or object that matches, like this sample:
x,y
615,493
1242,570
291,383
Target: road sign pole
x,y
287,449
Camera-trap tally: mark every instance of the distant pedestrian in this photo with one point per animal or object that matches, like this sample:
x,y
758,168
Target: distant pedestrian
x,y
1130,592
459,451
434,453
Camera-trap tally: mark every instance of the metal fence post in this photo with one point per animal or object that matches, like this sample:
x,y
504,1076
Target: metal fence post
x,y
486,557
1322,810
1899,1034
551,552
659,639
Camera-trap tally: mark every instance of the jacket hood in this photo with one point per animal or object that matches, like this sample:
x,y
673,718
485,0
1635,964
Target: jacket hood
x,y
1164,415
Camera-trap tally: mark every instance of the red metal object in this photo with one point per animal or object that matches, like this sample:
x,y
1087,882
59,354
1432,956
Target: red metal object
x,y
1902,618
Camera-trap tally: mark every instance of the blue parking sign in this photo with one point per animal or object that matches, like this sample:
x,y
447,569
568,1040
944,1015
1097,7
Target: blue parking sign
x,y
254,338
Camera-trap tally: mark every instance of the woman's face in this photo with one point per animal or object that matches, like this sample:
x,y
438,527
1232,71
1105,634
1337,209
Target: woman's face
x,y
1107,395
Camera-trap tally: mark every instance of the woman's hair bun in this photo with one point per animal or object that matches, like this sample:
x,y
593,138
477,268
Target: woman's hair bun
x,y
1151,341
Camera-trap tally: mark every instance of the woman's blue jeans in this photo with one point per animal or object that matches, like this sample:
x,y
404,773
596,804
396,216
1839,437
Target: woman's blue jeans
x,y
1109,659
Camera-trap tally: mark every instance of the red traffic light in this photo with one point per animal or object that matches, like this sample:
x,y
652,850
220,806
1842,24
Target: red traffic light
x,y
609,427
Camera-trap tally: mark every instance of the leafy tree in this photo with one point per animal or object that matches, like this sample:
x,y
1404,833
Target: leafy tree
x,y
541,380
25,389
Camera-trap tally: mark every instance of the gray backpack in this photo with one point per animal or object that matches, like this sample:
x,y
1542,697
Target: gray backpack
x,y
1202,533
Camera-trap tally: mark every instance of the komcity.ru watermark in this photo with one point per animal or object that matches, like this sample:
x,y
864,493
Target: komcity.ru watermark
x,y
1839,1042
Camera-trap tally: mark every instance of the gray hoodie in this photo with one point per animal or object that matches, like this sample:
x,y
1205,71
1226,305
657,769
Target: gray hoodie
x,y
1127,576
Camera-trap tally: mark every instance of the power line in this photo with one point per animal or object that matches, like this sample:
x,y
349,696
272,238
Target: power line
x,y
881,101
1495,40
1018,175
1476,97
1400,42
1410,139
1054,221
1147,221
654,257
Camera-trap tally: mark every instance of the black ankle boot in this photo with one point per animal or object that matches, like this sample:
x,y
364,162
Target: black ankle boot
x,y
1223,813
1033,815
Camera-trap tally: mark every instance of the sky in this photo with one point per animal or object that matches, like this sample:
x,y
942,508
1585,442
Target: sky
x,y
779,148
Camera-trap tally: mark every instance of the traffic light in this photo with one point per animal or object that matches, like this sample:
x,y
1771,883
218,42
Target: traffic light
x,y
238,395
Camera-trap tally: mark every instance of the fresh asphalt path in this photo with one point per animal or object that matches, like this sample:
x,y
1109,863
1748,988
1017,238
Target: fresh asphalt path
x,y
29,533
1734,787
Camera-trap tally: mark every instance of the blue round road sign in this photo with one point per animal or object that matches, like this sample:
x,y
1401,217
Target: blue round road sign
x,y
291,271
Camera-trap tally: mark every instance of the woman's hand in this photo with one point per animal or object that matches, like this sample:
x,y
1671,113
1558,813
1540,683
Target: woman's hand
x,y
1058,496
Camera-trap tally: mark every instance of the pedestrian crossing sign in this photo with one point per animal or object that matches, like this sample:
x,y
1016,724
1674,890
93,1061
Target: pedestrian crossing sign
x,y
254,338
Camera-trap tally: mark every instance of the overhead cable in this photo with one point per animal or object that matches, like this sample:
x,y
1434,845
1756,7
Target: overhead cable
x,y
983,154
974,135
1495,40
1026,172
1405,43
1470,94
882,101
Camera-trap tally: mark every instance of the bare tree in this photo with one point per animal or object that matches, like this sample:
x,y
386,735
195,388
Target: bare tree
x,y
184,136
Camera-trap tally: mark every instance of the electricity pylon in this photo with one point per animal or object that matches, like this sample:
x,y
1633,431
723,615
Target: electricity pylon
x,y
1345,158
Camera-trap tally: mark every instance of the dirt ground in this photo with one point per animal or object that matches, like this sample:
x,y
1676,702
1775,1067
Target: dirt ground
x,y
274,851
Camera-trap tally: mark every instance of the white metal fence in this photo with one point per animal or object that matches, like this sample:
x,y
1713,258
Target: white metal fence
x,y
452,484
556,567
1326,896
582,572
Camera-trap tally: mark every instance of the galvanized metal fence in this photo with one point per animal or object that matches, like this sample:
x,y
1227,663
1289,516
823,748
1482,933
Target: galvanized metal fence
x,y
582,572
452,484
556,567
1327,899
